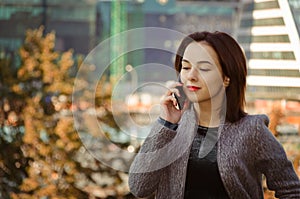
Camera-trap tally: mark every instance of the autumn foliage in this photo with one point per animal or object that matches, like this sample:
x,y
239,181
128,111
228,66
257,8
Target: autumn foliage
x,y
45,158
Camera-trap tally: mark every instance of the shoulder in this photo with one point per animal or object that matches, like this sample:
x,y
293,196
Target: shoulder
x,y
260,133
253,122
248,130
255,129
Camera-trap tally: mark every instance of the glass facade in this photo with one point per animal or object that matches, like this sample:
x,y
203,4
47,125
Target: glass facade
x,y
295,8
260,5
273,55
73,22
185,17
212,0
274,72
262,22
263,39
267,34
81,24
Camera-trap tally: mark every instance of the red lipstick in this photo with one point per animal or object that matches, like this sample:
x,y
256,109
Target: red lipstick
x,y
193,88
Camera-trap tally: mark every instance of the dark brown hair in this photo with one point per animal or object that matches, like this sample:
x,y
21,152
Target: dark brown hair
x,y
233,63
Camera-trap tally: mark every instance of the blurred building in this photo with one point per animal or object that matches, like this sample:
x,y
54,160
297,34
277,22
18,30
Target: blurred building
x,y
74,22
182,16
269,33
82,24
268,30
270,37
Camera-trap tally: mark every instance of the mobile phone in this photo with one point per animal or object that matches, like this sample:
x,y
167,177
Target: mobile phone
x,y
180,99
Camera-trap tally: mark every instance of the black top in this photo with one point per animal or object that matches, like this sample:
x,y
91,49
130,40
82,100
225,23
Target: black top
x,y
203,179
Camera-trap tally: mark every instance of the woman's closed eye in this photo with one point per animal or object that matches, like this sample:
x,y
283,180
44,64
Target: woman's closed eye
x,y
204,69
185,68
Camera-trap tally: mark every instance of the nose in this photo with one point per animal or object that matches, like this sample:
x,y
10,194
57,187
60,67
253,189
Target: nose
x,y
193,74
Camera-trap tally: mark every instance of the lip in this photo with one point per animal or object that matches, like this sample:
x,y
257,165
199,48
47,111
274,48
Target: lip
x,y
193,88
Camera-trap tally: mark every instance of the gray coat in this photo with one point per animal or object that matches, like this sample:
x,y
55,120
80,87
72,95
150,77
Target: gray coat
x,y
246,150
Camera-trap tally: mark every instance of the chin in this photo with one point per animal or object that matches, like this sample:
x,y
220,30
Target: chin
x,y
198,100
194,100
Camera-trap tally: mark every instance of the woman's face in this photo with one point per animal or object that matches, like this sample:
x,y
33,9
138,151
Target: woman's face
x,y
201,73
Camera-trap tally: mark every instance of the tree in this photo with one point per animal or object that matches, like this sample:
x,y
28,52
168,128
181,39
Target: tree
x,y
59,166
12,160
50,141
276,116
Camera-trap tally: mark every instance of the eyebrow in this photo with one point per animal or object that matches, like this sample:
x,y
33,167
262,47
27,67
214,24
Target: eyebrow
x,y
199,62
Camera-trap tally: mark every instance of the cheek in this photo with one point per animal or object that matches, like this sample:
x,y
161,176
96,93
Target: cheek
x,y
213,82
183,75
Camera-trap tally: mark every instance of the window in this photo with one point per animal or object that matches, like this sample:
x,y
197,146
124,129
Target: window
x,y
273,55
261,6
262,22
274,72
263,39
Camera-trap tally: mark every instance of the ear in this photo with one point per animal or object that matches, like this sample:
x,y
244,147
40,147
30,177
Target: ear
x,y
226,81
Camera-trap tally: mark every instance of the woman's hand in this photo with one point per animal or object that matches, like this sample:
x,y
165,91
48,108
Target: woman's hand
x,y
169,110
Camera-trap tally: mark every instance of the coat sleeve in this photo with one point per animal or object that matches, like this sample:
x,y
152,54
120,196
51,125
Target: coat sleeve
x,y
272,161
149,166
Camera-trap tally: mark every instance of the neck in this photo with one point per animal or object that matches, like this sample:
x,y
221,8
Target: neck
x,y
208,115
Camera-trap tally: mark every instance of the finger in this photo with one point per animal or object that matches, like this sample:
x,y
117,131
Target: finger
x,y
173,84
169,99
171,91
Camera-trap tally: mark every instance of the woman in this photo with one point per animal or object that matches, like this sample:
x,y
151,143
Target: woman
x,y
211,148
